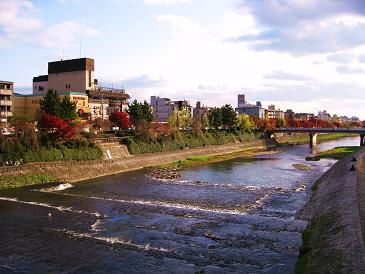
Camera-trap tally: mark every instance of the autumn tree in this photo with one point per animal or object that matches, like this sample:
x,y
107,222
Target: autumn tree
x,y
244,123
120,119
55,127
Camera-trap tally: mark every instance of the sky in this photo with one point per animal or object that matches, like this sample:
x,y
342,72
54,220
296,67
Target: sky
x,y
305,55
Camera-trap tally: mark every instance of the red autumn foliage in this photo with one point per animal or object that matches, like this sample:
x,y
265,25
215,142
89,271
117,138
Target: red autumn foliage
x,y
120,119
160,129
55,127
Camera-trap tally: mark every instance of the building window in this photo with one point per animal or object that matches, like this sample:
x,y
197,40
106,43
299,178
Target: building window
x,y
68,86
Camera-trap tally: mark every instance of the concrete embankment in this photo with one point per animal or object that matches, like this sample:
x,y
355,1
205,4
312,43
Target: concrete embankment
x,y
78,171
333,241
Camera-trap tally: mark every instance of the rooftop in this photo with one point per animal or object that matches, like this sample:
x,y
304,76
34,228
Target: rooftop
x,y
71,65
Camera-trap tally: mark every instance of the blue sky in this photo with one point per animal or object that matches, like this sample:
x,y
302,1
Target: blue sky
x,y
306,55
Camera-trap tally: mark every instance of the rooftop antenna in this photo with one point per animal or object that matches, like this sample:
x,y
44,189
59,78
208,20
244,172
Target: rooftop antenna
x,y
63,54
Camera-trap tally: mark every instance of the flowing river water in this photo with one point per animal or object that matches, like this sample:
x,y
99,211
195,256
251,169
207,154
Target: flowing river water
x,y
235,216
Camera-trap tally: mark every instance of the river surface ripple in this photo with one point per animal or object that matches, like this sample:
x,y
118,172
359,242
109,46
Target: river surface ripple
x,y
236,216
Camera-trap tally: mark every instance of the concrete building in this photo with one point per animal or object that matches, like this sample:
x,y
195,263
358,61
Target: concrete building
x,y
6,103
162,108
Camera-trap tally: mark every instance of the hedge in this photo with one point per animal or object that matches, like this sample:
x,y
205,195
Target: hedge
x,y
140,146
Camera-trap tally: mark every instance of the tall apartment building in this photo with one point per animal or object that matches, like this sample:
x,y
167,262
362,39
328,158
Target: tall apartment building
x,y
6,103
162,108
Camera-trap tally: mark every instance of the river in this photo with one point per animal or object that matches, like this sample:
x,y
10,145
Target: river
x,y
235,216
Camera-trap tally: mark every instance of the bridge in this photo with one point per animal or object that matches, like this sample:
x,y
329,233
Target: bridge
x,y
313,132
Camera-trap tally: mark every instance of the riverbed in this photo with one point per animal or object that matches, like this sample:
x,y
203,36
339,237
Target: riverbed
x,y
235,216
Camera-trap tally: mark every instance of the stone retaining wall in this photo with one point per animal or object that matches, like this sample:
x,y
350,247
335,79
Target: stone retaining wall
x,y
73,171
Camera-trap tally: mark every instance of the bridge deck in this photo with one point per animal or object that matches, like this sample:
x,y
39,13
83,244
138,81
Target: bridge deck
x,y
318,130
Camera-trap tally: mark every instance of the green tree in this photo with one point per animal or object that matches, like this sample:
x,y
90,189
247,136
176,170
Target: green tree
x,y
215,118
228,116
139,112
244,123
51,103
147,112
67,109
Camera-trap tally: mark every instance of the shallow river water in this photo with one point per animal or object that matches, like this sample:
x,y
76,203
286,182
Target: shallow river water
x,y
236,216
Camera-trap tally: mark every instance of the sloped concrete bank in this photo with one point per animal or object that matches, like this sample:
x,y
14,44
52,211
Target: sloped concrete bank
x,y
79,171
333,240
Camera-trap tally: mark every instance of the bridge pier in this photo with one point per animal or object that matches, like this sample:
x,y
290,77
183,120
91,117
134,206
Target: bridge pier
x,y
362,140
312,139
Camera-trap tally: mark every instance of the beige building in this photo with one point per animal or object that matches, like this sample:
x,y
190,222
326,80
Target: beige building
x,y
75,75
6,96
29,105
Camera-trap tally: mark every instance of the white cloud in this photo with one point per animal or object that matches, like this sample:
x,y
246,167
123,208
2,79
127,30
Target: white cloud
x,y
19,24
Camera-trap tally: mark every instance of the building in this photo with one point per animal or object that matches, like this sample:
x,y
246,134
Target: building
x,y
162,108
324,115
289,114
183,105
252,110
29,104
272,113
6,102
304,116
200,110
40,85
241,98
76,76
271,107
99,109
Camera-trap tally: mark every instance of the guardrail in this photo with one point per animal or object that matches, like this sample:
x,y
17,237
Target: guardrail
x,y
319,130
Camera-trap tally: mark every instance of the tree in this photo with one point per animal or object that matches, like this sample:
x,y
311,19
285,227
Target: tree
x,y
228,116
120,119
51,103
139,112
67,109
244,123
55,127
215,118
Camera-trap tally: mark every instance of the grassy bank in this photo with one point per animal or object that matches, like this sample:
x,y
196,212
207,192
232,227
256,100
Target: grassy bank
x,y
335,153
186,140
315,238
68,151
13,181
300,139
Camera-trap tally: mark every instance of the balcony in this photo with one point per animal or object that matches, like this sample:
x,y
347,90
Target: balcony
x,y
4,114
6,103
6,92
